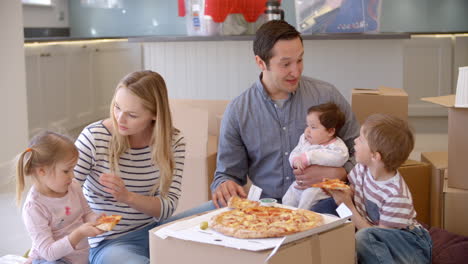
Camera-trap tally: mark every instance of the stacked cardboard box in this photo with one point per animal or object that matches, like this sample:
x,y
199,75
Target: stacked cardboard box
x,y
385,100
457,145
455,211
417,176
438,162
198,121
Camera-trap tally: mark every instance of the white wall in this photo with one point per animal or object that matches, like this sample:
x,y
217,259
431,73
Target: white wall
x,y
224,69
55,16
14,128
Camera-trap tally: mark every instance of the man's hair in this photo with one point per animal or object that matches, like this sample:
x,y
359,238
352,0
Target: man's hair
x,y
330,116
391,137
267,36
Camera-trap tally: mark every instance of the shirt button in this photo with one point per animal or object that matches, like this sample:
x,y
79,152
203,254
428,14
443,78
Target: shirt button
x,y
284,128
286,153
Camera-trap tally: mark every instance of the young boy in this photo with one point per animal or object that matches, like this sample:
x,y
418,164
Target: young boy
x,y
382,206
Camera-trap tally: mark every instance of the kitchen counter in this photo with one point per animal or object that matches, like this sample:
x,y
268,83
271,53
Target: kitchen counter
x,y
251,37
183,38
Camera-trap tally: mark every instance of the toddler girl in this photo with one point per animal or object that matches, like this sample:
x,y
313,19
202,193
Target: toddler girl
x,y
55,212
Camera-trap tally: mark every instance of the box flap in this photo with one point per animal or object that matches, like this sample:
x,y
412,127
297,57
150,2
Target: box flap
x,y
438,159
382,90
446,100
392,91
365,91
411,163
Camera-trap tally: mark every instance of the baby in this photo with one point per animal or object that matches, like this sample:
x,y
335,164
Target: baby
x,y
318,145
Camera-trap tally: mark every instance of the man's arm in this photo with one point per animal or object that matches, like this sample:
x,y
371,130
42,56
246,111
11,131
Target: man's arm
x,y
231,165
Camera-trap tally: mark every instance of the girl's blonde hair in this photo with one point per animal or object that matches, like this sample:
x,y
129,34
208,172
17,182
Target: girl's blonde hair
x,y
45,149
150,87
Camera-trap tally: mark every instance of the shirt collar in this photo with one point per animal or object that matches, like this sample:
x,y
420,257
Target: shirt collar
x,y
263,92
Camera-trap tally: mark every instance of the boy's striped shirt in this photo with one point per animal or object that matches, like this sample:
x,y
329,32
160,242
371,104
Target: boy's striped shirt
x,y
388,203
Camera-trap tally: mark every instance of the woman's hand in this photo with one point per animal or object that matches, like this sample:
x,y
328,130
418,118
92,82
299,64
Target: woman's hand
x,y
116,186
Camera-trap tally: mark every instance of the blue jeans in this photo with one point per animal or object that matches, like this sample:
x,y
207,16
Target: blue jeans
x,y
385,245
131,248
43,261
325,206
208,206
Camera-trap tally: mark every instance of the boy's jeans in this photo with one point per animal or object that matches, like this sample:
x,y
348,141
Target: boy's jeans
x,y
386,245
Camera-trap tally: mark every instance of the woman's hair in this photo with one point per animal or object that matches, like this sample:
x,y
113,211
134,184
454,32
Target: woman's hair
x,y
330,116
267,36
45,149
389,136
150,87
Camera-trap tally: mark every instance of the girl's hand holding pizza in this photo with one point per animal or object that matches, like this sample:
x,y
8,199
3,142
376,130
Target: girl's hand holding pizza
x,y
116,186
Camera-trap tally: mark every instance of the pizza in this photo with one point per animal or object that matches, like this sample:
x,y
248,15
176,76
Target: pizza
x,y
263,222
237,202
108,222
332,184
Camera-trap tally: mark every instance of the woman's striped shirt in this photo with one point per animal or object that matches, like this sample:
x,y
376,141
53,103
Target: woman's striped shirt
x,y
136,169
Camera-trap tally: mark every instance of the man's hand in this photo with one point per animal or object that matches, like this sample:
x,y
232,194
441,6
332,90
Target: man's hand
x,y
315,173
224,191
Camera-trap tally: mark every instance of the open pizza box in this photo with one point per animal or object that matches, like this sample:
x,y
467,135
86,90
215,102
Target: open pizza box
x,y
186,235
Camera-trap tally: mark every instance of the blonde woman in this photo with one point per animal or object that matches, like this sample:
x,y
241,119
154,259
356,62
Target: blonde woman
x,y
131,165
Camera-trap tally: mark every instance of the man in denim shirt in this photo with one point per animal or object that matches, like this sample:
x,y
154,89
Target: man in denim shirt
x,y
262,125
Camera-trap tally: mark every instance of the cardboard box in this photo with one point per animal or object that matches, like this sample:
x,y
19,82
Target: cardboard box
x,y
457,141
439,163
197,119
318,248
455,209
385,100
417,176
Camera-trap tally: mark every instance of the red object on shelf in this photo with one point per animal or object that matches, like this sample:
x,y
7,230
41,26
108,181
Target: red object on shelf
x,y
220,9
181,8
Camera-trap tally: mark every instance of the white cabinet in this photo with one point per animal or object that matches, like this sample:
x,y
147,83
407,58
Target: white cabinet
x,y
110,63
428,70
71,85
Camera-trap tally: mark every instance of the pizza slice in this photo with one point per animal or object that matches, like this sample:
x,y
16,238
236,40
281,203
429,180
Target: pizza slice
x,y
236,202
108,222
332,184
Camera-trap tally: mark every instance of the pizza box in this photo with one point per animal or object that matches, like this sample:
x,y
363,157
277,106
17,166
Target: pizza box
x,y
185,235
